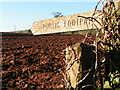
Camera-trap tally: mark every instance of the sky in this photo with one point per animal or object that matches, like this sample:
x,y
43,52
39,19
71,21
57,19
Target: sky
x,y
21,15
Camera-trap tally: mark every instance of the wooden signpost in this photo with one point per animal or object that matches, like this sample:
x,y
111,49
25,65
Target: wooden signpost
x,y
63,24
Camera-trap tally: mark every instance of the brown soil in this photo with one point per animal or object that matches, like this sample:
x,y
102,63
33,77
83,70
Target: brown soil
x,y
35,61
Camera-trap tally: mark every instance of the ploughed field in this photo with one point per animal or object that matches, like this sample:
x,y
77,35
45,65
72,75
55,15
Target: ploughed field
x,y
35,61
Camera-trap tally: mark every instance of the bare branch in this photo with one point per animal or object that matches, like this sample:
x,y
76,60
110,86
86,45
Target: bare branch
x,y
84,77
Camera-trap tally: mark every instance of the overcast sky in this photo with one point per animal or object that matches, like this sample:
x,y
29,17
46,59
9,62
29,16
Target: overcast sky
x,y
21,15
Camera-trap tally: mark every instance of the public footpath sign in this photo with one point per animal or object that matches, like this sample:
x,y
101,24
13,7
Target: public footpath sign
x,y
63,24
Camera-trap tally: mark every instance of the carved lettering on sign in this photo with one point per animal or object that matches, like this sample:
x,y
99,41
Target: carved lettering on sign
x,y
62,24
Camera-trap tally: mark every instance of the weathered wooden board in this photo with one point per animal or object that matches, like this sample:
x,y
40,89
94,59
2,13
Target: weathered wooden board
x,y
63,24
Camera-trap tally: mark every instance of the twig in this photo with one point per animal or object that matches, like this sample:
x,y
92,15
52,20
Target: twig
x,y
87,86
96,7
84,77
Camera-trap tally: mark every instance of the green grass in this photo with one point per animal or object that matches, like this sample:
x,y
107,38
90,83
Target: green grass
x,y
22,31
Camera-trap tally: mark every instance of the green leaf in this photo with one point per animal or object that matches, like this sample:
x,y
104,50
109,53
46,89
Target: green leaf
x,y
116,80
106,85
